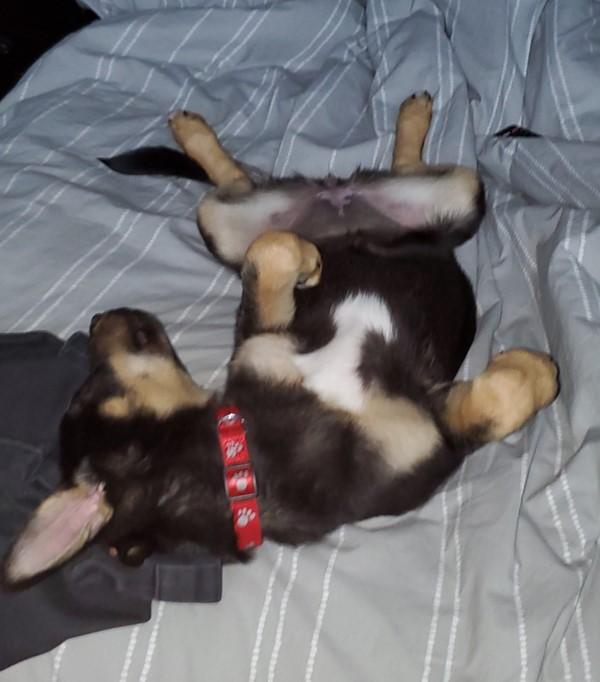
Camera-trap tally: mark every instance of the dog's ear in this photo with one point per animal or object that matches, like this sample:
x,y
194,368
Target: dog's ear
x,y
60,527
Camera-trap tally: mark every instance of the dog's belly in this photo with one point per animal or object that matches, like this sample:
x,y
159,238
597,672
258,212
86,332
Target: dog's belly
x,y
404,433
332,372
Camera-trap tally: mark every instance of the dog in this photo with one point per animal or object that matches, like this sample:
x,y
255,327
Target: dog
x,y
340,401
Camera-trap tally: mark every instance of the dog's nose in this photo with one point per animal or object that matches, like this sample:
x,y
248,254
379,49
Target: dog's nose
x,y
94,322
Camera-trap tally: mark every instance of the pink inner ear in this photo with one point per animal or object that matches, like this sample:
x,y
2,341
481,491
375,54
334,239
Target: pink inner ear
x,y
61,525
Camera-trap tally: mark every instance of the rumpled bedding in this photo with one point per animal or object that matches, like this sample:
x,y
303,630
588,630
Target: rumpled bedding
x,y
497,578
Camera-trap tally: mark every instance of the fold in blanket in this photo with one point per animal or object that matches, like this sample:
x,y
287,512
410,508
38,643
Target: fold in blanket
x,y
497,578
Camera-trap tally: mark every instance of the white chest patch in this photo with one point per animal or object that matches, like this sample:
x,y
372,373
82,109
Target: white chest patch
x,y
332,371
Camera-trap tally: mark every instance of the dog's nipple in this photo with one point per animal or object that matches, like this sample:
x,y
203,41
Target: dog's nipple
x,y
338,197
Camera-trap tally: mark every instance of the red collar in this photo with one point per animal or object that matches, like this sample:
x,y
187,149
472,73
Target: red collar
x,y
240,481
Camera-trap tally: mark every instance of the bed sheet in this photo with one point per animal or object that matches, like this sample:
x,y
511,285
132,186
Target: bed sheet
x,y
497,578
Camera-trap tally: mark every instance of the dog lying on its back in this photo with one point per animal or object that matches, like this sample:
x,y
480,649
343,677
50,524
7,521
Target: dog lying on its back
x,y
354,319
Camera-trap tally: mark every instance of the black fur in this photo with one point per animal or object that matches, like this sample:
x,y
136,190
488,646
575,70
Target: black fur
x,y
316,468
156,161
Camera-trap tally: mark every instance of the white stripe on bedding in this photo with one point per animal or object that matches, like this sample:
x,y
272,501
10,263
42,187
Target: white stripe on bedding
x,y
456,606
563,475
379,82
559,470
74,287
561,74
439,588
325,593
534,266
446,100
310,50
156,623
502,93
133,638
57,662
283,606
263,616
90,308
247,37
206,310
314,110
521,617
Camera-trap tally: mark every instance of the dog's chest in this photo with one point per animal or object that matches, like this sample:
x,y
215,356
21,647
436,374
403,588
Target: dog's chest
x,y
332,371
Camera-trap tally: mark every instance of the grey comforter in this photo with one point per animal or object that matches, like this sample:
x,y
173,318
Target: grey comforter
x,y
498,577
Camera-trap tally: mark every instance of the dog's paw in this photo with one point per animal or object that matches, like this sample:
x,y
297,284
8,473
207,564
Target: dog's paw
x,y
417,106
537,371
516,384
284,259
186,124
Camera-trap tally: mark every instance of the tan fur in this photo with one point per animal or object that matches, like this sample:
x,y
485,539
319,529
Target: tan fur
x,y
227,219
405,434
200,143
117,407
115,336
271,356
454,192
412,125
281,260
515,385
467,178
153,384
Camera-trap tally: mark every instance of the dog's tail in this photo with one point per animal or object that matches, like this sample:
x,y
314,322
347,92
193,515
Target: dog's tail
x,y
156,161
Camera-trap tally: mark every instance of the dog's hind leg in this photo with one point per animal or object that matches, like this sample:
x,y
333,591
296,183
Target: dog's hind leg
x,y
515,385
199,142
430,205
412,125
275,264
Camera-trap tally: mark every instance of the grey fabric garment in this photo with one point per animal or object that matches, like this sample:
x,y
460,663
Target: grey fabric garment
x,y
38,376
497,577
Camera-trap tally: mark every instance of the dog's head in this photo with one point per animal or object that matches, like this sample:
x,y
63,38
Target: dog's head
x,y
138,453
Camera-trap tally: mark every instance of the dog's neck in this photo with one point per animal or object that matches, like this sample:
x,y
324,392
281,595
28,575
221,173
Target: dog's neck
x,y
239,476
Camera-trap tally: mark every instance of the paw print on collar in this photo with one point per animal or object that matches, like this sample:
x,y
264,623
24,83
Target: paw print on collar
x,y
232,449
240,480
244,516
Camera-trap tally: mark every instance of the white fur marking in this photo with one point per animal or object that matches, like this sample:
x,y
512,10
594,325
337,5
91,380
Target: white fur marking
x,y
234,226
270,355
421,200
332,371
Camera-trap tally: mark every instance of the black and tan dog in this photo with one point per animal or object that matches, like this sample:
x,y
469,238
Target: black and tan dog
x,y
354,320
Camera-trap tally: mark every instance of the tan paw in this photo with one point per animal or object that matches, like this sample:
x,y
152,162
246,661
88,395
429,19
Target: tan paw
x,y
283,259
416,110
186,125
515,385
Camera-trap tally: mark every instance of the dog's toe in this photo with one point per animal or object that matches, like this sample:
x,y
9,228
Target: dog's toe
x,y
423,94
186,124
418,106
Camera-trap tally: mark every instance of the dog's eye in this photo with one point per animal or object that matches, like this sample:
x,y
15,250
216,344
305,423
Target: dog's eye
x,y
141,339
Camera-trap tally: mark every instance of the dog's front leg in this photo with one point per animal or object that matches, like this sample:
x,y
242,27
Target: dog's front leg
x,y
515,385
275,264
